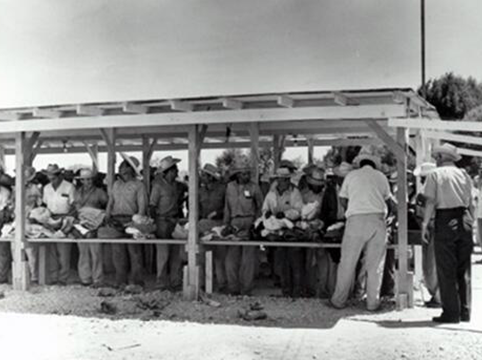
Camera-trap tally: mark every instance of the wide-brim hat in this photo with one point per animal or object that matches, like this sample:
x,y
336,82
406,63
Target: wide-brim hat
x,y
424,169
53,169
211,170
316,177
370,157
343,169
288,164
133,162
167,163
282,173
448,150
85,174
30,173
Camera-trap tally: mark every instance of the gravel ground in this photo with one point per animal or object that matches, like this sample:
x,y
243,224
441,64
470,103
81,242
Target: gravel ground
x,y
67,323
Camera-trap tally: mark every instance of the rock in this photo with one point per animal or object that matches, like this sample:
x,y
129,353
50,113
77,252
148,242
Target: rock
x,y
106,292
133,289
2,295
108,308
250,315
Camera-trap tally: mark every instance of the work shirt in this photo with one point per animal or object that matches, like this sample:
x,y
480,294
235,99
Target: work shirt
x,y
93,197
60,200
289,200
4,198
212,198
367,190
129,198
242,200
166,198
449,187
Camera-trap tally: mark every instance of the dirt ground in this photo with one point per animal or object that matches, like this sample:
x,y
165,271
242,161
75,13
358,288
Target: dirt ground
x,y
74,322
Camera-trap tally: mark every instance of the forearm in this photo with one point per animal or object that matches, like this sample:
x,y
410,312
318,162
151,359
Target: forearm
x,y
428,213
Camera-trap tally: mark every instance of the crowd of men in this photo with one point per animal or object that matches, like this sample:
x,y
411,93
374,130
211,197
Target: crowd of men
x,y
290,206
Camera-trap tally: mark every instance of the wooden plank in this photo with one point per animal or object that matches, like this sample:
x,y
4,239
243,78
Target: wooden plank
x,y
418,267
46,113
210,117
89,111
209,286
20,274
232,104
134,108
179,105
42,264
192,287
93,151
311,148
110,139
444,135
10,116
146,160
402,221
254,134
394,146
285,101
445,125
343,100
2,156
110,241
470,152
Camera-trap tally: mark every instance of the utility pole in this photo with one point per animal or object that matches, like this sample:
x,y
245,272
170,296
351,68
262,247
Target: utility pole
x,y
422,43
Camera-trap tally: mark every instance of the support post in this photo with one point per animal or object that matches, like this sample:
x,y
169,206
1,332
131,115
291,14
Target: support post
x,y
20,273
146,159
109,136
278,145
191,288
93,151
254,134
311,149
403,283
2,156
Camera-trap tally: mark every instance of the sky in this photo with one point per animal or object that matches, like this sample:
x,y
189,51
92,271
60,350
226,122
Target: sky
x,y
70,51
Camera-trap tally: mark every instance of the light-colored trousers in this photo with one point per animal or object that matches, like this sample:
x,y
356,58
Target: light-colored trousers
x,y
90,263
363,234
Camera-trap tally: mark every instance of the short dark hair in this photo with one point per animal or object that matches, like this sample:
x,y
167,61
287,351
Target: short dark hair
x,y
367,162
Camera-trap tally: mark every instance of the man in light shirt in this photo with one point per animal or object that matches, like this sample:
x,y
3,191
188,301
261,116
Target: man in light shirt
x,y
364,193
448,193
59,196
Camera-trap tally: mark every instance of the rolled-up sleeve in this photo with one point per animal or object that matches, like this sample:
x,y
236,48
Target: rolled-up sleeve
x,y
430,189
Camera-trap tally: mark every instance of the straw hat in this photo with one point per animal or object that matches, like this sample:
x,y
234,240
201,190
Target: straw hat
x,y
282,173
53,169
448,150
288,164
343,169
317,177
133,162
30,173
424,169
370,157
211,170
85,174
167,163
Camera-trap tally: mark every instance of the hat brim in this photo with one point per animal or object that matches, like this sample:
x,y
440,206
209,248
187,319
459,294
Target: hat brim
x,y
375,159
313,181
174,162
131,163
441,150
213,174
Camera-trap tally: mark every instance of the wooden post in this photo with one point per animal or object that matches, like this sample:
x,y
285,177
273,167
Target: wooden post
x,y
2,156
254,134
311,149
403,284
146,159
93,151
278,145
20,273
109,136
191,289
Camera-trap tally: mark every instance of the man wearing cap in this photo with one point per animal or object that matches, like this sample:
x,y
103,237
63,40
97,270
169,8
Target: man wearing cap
x,y
164,205
242,207
365,193
128,197
448,193
90,255
284,201
212,194
59,196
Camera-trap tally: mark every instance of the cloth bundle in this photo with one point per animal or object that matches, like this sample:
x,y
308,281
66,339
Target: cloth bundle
x,y
141,227
272,225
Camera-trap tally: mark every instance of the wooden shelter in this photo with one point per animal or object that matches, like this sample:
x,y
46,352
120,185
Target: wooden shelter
x,y
248,121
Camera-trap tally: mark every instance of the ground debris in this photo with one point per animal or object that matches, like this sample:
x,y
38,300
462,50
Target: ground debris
x,y
107,307
133,289
2,295
106,292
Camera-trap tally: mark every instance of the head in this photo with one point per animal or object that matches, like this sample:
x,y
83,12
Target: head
x,y
171,173
445,154
367,162
283,184
86,178
243,177
54,174
126,171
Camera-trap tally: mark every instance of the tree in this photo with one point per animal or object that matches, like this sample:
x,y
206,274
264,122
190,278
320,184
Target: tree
x,y
453,96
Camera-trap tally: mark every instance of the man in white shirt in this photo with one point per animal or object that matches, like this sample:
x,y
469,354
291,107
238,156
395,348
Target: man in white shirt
x,y
364,193
59,196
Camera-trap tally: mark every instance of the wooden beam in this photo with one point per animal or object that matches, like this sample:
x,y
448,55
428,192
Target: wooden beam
x,y
31,147
10,116
343,100
285,101
254,134
134,108
311,148
193,250
398,97
469,152
402,223
179,105
210,117
443,135
2,157
20,274
391,143
88,110
93,151
232,104
146,160
110,139
445,125
46,113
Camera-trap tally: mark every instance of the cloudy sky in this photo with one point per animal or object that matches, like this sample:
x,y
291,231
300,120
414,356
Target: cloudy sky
x,y
68,51
63,51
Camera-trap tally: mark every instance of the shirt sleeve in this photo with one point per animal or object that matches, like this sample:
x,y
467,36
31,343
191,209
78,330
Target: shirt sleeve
x,y
268,203
155,194
44,196
103,198
344,187
430,189
142,199
72,192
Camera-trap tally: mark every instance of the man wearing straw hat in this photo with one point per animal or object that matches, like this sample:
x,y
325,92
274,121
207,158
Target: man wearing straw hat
x,y
212,195
242,207
365,192
59,196
164,205
128,197
90,255
448,193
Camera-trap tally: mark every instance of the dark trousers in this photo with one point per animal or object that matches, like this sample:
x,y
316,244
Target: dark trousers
x,y
453,249
292,265
168,257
